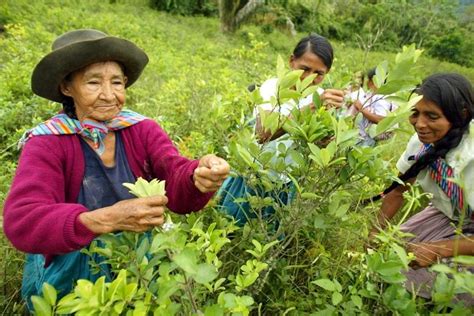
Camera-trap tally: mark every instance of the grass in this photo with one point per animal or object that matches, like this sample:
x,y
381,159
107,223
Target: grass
x,y
196,74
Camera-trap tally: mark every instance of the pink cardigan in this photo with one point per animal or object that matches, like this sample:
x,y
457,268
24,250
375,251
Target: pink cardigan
x,y
41,210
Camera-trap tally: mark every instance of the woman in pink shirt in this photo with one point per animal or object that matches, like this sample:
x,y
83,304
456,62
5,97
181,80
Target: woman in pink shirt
x,y
68,186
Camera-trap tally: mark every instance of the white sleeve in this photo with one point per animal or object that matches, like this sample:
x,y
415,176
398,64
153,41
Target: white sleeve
x,y
381,106
358,95
413,146
268,89
267,92
469,183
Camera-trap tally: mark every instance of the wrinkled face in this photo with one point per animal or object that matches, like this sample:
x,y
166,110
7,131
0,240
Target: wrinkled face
x,y
98,91
429,121
310,64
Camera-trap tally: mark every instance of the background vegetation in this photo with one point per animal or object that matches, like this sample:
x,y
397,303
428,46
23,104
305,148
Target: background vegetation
x,y
442,27
195,87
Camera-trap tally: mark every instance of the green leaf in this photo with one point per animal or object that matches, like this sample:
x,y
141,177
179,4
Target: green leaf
x,y
253,253
394,278
310,196
205,273
307,81
281,67
130,290
187,260
49,293
143,249
287,94
341,210
245,155
336,298
258,246
385,124
69,304
83,288
394,86
325,284
143,188
317,100
289,79
314,149
325,157
269,245
297,157
99,289
389,268
246,300
380,74
116,288
466,260
441,268
357,300
214,310
309,90
401,253
41,306
166,288
249,279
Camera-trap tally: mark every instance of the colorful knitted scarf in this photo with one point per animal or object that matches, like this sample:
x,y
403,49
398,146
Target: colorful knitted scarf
x,y
62,124
441,172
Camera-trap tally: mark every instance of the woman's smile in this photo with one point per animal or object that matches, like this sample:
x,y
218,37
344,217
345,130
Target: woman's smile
x,y
429,121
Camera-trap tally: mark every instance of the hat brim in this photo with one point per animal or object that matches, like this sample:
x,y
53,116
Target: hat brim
x,y
55,66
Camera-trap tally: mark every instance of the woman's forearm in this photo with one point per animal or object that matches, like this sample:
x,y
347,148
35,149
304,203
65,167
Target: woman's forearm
x,y
454,247
392,202
374,118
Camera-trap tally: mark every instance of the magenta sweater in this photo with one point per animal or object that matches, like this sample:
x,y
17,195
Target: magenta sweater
x,y
41,210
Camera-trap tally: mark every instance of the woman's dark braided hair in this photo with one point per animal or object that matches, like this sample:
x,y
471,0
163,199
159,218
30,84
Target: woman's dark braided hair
x,y
68,103
453,94
69,108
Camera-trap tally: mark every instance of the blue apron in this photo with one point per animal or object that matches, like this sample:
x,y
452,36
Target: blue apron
x,y
233,198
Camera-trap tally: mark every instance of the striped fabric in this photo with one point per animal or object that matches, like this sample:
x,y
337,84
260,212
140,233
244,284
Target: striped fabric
x,y
62,124
441,172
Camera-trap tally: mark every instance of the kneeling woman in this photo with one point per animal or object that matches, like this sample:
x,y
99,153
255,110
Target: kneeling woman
x,y
441,149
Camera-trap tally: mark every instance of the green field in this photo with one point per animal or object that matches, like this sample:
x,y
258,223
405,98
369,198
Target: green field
x,y
195,87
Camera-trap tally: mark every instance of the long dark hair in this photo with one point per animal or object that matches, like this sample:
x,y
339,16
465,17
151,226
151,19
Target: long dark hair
x,y
317,45
453,94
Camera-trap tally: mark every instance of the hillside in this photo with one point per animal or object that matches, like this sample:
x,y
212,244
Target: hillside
x,y
195,87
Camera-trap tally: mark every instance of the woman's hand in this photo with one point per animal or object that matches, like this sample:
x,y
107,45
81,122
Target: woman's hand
x,y
136,215
425,254
210,173
358,105
333,98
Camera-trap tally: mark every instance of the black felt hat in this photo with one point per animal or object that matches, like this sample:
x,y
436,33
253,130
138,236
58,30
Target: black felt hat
x,y
79,48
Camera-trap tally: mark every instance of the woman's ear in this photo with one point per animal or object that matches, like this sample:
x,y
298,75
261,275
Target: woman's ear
x,y
291,60
64,88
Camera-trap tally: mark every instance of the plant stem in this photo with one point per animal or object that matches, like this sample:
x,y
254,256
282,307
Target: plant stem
x,y
187,289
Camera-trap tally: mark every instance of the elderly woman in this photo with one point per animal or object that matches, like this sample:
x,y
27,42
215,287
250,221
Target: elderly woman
x,y
68,186
441,149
